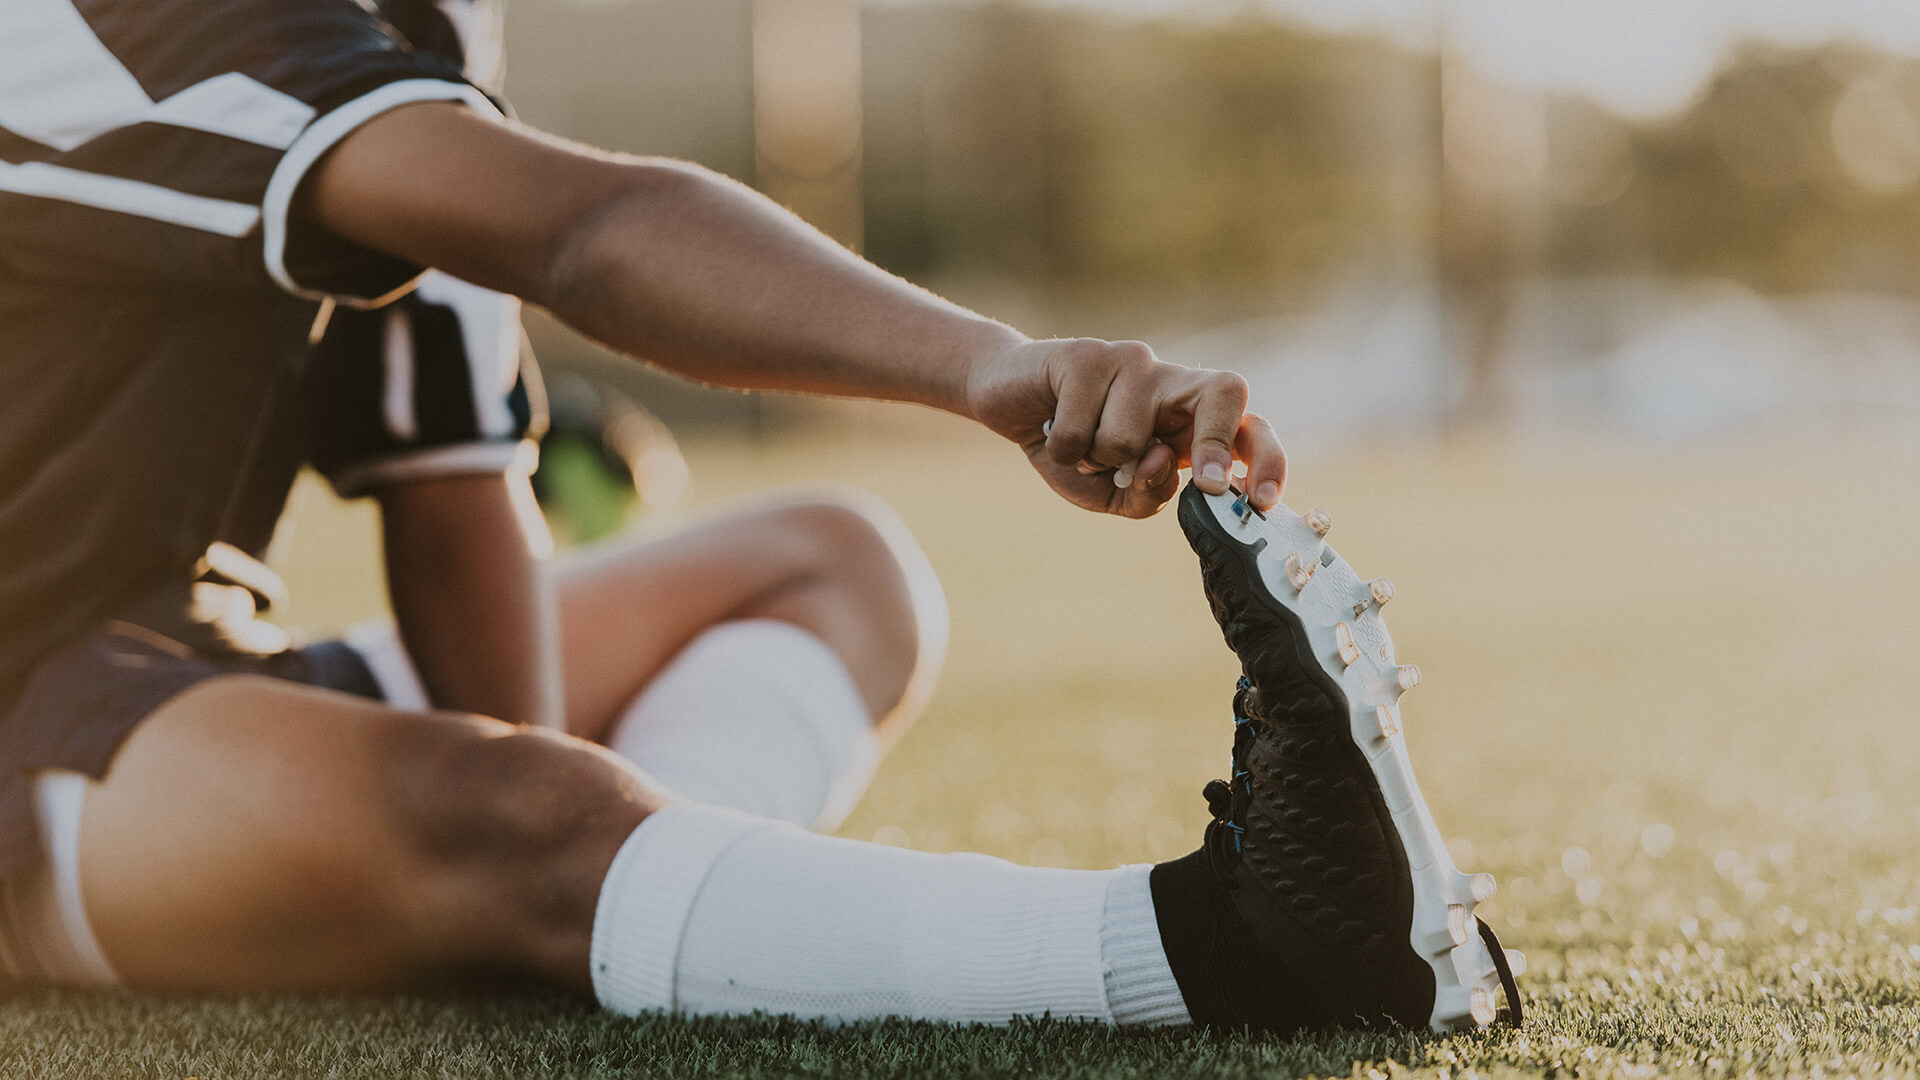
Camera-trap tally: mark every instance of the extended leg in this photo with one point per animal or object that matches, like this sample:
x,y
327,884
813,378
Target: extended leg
x,y
259,834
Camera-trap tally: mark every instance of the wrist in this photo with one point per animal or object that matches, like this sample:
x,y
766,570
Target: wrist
x,y
978,350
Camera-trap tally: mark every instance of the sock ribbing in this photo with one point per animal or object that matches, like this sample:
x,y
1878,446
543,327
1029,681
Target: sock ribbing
x,y
646,897
1140,986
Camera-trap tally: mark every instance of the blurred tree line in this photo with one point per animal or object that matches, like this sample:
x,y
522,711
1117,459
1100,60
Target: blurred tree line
x,y
1084,173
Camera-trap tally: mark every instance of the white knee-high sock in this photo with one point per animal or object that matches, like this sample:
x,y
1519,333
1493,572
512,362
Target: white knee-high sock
x,y
758,715
707,911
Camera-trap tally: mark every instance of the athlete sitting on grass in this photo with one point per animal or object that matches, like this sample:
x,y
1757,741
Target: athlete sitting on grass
x,y
598,774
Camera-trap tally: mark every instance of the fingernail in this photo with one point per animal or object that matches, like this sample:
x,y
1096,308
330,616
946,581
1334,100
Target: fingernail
x,y
1123,476
1214,473
1268,494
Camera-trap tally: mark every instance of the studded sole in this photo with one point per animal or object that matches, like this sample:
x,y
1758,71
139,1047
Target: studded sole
x,y
1342,617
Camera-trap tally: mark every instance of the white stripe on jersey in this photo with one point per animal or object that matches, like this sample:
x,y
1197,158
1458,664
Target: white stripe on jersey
x,y
129,197
239,108
480,26
58,84
397,363
490,330
60,87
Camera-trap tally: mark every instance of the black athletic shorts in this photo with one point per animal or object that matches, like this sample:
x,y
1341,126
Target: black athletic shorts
x,y
82,700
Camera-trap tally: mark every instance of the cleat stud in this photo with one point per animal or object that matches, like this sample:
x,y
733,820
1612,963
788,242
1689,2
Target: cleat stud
x,y
1300,571
1457,923
1482,1006
1483,887
1516,962
1319,521
1384,717
1343,637
1382,590
1408,676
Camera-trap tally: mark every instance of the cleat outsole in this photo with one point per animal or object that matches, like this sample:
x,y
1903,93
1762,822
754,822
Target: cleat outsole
x,y
1289,553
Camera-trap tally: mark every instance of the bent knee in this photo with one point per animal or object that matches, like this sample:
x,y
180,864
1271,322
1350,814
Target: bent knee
x,y
881,598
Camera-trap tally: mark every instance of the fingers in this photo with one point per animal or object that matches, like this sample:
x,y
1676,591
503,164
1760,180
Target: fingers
x,y
1256,444
1131,410
1082,397
1124,418
1155,482
1217,416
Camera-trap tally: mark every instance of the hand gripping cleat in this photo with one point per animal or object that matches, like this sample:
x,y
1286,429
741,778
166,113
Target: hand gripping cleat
x,y
1322,838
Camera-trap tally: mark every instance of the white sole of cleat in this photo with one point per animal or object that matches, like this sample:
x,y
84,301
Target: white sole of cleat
x,y
1332,604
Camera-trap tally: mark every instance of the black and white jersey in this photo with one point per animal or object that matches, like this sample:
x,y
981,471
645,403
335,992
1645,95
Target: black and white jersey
x,y
158,387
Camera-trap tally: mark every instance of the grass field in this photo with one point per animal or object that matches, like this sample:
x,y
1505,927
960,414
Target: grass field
x,y
1667,703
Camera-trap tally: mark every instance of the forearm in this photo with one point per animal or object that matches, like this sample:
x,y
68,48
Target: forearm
x,y
467,575
682,267
704,276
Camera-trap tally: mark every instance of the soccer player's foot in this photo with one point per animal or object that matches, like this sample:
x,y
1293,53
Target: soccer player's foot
x,y
1323,893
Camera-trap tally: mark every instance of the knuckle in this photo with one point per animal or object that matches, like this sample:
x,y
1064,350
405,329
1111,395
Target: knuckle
x,y
1084,351
1133,354
1233,386
1068,443
1118,448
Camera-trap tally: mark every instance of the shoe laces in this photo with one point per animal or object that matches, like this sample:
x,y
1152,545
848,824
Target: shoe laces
x,y
1227,800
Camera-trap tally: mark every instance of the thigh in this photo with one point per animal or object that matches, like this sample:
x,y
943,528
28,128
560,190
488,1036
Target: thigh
x,y
256,833
626,608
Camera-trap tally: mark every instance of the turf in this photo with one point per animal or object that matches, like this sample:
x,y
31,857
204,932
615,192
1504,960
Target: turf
x,y
1666,703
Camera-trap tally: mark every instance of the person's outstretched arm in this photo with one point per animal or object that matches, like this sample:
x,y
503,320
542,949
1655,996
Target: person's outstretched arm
x,y
701,275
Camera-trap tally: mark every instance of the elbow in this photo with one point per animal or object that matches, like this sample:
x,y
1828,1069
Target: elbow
x,y
592,251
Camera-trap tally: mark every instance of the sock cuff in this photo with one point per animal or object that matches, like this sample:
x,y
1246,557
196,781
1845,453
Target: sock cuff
x,y
1140,986
647,895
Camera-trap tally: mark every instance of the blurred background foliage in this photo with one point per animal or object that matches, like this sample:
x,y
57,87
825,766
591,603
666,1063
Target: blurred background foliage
x,y
1385,218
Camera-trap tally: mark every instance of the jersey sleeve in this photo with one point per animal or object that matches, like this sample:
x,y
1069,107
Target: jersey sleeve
x,y
437,383
165,142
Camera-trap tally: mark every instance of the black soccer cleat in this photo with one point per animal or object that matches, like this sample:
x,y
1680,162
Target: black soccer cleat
x,y
1320,840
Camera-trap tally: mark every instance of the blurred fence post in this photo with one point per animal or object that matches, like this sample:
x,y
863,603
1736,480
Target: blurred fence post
x,y
1492,226
806,111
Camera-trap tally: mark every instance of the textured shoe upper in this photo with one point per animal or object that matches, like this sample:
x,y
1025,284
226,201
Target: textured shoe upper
x,y
1301,832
